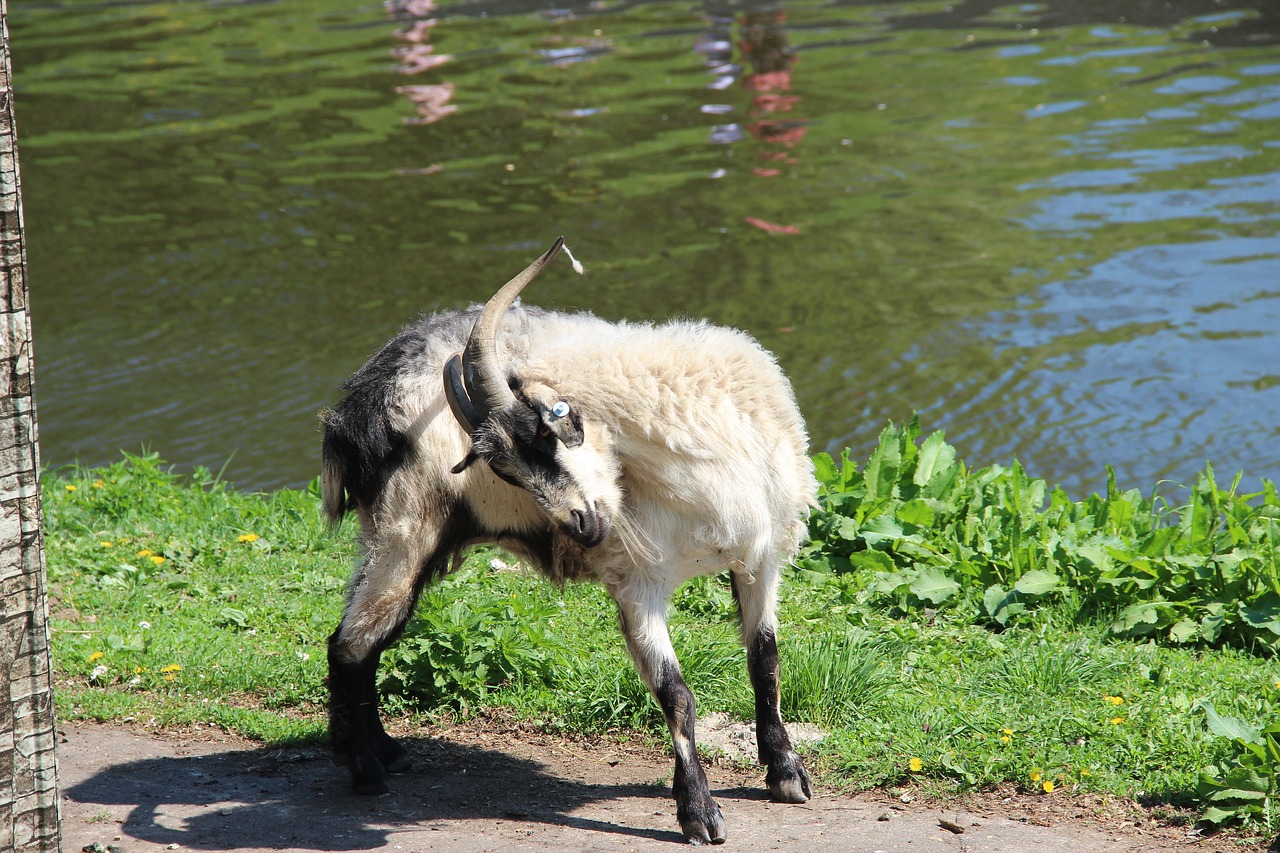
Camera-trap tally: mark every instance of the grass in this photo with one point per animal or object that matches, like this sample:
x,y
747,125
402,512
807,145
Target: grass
x,y
180,600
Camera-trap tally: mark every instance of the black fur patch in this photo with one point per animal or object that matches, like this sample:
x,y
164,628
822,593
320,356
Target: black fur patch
x,y
359,439
516,446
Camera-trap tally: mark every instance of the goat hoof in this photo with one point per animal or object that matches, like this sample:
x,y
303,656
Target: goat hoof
x,y
702,825
368,779
371,786
393,756
788,782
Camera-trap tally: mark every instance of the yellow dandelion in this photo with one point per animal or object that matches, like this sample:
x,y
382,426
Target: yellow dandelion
x,y
71,488
107,543
95,656
1047,787
173,667
1084,771
1007,732
145,552
157,559
1005,739
1115,721
98,484
915,764
1035,775
1114,700
247,537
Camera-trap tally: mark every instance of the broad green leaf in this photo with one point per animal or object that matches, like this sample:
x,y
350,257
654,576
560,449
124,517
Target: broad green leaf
x,y
885,463
1136,618
1263,613
1096,553
916,513
889,582
1037,582
1121,510
933,586
936,457
1184,631
1211,623
1242,783
848,529
1000,604
992,599
874,561
1229,727
1218,816
824,468
879,530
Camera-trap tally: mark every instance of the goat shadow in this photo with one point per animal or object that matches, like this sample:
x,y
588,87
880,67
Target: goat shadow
x,y
294,798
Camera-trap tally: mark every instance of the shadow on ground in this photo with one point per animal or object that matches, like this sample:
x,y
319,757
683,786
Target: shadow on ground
x,y
479,789
295,798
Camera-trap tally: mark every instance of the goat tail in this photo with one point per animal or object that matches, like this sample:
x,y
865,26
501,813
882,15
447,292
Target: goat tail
x,y
333,491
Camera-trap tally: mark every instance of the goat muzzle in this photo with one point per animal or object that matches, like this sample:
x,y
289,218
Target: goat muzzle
x,y
587,527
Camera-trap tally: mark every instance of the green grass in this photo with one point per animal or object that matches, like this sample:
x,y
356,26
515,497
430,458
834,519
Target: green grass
x,y
180,600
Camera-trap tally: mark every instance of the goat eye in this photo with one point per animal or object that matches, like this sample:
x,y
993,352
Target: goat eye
x,y
544,432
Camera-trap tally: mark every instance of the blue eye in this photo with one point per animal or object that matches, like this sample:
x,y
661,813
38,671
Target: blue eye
x,y
560,409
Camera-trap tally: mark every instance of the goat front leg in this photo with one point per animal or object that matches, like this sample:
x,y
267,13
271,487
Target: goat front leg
x,y
786,778
644,624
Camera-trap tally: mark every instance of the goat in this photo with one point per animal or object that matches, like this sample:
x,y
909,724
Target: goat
x,y
635,455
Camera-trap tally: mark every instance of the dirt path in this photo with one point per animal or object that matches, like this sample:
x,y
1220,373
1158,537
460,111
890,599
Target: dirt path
x,y
485,789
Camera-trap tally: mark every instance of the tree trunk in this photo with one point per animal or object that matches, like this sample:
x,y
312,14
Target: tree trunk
x,y
28,774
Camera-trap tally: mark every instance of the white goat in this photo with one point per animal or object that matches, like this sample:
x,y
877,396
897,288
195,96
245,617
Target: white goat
x,y
638,456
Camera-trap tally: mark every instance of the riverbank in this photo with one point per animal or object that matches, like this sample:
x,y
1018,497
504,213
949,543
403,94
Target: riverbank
x,y
181,601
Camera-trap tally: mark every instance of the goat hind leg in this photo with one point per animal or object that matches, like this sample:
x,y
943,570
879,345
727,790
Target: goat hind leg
x,y
380,601
787,780
356,734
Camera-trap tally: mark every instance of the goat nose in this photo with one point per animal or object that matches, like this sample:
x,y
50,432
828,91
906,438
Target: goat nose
x,y
588,527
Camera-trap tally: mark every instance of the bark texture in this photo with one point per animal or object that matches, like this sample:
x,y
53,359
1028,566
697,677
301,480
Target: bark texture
x,y
28,773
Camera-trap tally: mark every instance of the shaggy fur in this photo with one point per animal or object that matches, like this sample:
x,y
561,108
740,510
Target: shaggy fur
x,y
684,454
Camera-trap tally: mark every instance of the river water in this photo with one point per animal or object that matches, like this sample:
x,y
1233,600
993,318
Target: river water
x,y
1052,229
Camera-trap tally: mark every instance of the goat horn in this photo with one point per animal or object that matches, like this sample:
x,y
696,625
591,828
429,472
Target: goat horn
x,y
483,378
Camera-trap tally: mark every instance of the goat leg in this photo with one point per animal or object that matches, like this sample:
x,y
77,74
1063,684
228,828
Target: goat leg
x,y
353,714
786,779
757,596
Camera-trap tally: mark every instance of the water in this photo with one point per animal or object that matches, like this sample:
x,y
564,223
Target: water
x,y
1050,228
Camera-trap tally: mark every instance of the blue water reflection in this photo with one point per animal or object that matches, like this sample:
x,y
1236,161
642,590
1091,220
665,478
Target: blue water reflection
x,y
1166,352
1162,354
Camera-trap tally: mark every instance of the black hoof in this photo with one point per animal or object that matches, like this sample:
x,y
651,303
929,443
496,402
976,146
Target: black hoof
x,y
392,755
368,778
787,780
702,824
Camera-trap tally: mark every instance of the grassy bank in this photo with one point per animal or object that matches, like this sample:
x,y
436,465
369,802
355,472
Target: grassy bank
x,y
951,627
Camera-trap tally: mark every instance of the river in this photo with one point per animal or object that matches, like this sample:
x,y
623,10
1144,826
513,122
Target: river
x,y
1052,229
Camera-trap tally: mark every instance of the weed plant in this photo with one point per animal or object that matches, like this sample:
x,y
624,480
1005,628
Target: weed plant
x,y
948,628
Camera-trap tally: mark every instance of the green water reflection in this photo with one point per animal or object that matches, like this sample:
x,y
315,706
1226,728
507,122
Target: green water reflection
x,y
1050,228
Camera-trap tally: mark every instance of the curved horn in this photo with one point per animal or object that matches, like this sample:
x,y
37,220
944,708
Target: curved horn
x,y
483,379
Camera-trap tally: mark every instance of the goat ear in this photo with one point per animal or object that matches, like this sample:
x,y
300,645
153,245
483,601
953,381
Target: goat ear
x,y
455,391
467,462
